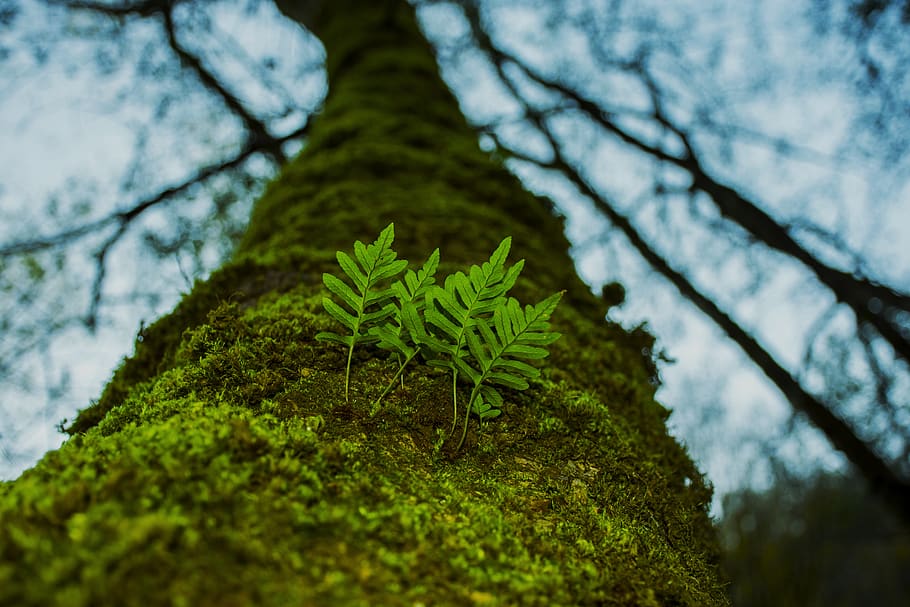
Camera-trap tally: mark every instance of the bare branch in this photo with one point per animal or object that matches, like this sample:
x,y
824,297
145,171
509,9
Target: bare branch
x,y
256,130
91,320
143,8
66,236
33,245
895,490
123,220
856,292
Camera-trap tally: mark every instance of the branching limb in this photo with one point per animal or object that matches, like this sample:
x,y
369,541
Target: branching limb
x,y
123,220
894,489
64,237
257,133
140,8
853,290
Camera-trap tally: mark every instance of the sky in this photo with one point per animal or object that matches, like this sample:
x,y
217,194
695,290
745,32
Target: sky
x,y
71,134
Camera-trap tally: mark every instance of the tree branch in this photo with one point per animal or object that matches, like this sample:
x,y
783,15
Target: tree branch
x,y
66,236
256,130
123,219
142,8
894,490
882,479
857,293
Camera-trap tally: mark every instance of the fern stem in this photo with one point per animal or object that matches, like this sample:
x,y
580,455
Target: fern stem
x,y
388,388
467,417
347,373
454,402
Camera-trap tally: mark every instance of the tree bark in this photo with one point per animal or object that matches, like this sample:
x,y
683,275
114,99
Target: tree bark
x,y
222,465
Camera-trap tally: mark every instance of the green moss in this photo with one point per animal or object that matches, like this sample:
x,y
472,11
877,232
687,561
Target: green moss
x,y
242,281
222,465
244,459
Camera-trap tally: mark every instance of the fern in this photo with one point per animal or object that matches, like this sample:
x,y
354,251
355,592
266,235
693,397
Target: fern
x,y
368,303
505,342
453,310
468,325
394,335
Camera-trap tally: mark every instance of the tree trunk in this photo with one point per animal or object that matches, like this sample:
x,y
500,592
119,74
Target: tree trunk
x,y
222,465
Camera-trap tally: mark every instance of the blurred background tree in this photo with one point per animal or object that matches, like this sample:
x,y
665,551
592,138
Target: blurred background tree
x,y
741,168
814,541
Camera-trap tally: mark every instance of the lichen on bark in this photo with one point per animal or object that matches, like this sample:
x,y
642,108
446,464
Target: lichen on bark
x,y
222,465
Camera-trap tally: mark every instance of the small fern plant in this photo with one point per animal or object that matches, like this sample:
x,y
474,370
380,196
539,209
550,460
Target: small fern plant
x,y
499,352
394,334
367,302
469,325
451,311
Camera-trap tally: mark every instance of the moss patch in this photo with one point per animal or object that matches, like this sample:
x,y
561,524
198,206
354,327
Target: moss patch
x,y
243,459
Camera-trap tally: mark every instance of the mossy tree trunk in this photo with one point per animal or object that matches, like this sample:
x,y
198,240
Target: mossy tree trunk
x,y
222,465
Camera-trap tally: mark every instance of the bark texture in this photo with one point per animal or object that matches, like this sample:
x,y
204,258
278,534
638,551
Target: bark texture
x,y
222,466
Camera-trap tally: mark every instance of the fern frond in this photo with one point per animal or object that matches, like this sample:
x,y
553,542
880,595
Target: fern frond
x,y
394,335
367,303
487,404
452,310
467,325
513,336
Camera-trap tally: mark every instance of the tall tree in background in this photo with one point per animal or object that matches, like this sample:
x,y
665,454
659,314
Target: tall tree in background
x,y
222,465
637,92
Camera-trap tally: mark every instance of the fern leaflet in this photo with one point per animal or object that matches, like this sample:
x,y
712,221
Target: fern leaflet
x,y
367,303
504,343
468,325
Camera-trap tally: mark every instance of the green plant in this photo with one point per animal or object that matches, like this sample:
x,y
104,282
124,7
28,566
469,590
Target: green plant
x,y
469,325
369,304
454,309
394,335
513,336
